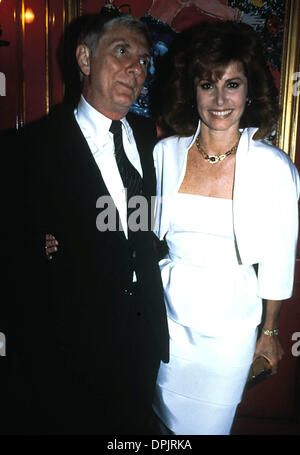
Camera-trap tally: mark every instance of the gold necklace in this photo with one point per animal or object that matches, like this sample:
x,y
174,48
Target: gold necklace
x,y
213,159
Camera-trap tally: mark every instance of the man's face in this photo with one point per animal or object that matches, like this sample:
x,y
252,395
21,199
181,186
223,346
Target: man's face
x,y
117,72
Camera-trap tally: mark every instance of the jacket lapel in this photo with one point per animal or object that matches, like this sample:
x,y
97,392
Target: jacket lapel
x,y
80,158
77,180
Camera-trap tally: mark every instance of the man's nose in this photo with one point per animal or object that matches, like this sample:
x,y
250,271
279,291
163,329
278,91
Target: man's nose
x,y
135,66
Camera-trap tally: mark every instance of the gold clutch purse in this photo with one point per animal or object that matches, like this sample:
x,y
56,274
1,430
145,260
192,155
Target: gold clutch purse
x,y
259,370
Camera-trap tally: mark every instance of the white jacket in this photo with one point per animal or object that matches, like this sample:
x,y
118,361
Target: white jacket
x,y
265,208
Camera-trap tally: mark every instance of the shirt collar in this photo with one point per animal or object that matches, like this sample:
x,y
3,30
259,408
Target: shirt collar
x,y
93,122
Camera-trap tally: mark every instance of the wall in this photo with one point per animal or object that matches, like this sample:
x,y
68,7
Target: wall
x,y
33,81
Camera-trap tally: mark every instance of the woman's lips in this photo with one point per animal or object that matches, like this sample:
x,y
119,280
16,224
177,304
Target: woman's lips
x,y
221,114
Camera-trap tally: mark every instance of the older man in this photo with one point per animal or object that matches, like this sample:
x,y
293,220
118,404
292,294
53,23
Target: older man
x,y
96,327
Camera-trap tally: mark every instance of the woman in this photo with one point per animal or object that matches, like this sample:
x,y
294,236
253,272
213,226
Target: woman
x,y
160,18
227,201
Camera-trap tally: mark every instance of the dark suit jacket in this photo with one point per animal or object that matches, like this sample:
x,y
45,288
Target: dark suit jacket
x,y
91,345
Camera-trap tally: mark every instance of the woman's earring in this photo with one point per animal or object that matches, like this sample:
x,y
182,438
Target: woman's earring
x,y
248,102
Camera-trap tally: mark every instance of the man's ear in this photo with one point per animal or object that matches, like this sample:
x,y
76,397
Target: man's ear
x,y
83,58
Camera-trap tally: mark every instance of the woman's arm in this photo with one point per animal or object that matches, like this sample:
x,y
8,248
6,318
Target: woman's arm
x,y
268,344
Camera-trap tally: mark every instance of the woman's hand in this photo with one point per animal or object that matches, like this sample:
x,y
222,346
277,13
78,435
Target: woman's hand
x,y
50,245
270,348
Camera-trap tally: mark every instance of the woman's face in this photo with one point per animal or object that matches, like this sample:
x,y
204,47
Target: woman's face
x,y
221,103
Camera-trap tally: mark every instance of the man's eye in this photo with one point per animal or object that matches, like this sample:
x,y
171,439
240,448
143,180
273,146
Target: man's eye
x,y
121,50
144,62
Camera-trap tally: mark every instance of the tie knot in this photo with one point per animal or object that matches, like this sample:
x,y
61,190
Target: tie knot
x,y
116,127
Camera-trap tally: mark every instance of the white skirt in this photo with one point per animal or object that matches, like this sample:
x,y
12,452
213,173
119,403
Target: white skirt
x,y
198,395
213,312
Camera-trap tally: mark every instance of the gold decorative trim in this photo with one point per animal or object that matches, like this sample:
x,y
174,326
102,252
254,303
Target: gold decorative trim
x,y
47,55
72,8
286,137
69,10
20,19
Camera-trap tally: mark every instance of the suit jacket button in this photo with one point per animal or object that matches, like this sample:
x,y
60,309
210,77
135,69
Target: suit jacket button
x,y
127,292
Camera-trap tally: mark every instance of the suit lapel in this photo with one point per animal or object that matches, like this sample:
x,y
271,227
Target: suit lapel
x,y
77,180
80,177
80,157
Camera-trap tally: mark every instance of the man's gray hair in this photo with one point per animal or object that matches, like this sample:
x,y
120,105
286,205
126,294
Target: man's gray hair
x,y
101,24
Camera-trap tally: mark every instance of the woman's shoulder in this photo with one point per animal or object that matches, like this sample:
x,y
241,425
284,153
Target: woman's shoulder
x,y
271,163
266,152
172,143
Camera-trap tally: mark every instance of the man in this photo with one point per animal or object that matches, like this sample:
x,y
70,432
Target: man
x,y
96,327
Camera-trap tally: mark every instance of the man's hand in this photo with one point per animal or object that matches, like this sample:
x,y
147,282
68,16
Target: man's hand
x,y
50,245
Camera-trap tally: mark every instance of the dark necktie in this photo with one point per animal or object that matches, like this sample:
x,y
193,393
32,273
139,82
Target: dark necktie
x,y
132,180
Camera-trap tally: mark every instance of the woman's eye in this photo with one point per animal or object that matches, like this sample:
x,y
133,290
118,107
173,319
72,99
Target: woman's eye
x,y
121,50
205,85
233,85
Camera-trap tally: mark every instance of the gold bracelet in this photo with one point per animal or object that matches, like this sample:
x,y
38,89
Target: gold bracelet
x,y
270,333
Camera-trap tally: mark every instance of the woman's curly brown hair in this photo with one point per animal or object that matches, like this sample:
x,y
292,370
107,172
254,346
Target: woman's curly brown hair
x,y
204,52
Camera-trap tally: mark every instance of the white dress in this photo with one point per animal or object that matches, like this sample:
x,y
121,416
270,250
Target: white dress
x,y
213,312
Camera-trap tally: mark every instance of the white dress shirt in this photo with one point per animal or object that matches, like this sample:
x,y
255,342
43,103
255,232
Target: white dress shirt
x,y
95,128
